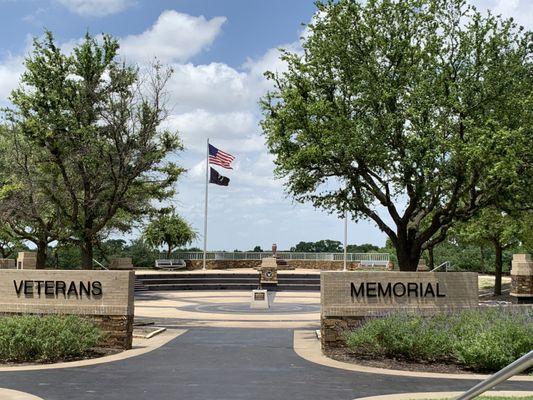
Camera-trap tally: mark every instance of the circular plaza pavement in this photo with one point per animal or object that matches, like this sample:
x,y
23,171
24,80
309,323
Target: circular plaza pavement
x,y
215,347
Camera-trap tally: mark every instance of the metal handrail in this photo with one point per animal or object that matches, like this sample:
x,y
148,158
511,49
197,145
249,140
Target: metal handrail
x,y
445,264
512,369
100,264
370,258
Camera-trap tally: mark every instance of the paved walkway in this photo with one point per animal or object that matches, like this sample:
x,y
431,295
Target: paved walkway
x,y
221,363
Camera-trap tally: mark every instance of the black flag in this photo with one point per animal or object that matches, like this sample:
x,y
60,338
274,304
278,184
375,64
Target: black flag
x,y
218,179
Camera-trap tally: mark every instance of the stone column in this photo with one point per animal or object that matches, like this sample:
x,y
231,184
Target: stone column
x,y
422,267
27,260
522,279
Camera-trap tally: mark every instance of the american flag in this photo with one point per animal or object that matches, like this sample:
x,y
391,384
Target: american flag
x,y
220,157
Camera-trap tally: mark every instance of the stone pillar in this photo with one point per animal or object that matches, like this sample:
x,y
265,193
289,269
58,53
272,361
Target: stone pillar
x,y
121,263
7,263
522,279
422,267
27,260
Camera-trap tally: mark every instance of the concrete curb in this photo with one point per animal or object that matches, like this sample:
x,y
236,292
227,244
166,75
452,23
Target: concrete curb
x,y
308,347
7,394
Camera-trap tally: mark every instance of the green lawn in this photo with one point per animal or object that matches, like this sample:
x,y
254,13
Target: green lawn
x,y
497,398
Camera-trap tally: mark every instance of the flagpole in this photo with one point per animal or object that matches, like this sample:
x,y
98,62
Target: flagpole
x,y
206,198
345,237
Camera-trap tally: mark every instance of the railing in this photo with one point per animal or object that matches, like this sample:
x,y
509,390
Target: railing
x,y
446,264
100,264
365,258
512,369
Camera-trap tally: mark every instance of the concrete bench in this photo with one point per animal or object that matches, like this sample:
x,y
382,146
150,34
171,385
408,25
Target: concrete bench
x,y
170,264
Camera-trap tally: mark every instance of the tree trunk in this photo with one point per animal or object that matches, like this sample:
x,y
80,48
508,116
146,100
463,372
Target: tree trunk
x,y
87,254
42,248
498,268
482,258
431,258
169,252
408,256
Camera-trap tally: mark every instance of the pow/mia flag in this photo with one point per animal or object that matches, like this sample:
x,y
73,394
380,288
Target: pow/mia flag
x,y
218,179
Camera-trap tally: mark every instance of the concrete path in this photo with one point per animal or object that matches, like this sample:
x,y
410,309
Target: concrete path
x,y
221,363
227,352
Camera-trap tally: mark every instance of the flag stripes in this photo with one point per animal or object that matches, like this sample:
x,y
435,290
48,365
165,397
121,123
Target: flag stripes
x,y
219,157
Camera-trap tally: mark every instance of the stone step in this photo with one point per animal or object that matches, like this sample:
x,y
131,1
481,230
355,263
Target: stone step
x,y
203,286
191,280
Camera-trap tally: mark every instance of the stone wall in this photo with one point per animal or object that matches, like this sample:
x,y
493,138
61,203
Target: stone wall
x,y
348,298
303,264
104,297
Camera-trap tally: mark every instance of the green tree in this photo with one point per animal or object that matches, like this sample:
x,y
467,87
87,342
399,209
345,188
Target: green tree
x,y
322,246
169,229
24,207
362,248
497,229
419,109
9,243
96,123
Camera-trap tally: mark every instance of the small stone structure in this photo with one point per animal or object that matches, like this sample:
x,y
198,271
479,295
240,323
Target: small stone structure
x,y
422,266
121,263
103,297
347,298
269,272
259,299
522,279
7,263
27,260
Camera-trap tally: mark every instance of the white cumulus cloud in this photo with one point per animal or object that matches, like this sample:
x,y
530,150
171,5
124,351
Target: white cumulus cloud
x,y
175,37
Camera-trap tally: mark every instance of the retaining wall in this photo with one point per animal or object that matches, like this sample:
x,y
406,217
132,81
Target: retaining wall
x,y
303,264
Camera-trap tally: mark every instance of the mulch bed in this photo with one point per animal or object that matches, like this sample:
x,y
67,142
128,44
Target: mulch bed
x,y
346,355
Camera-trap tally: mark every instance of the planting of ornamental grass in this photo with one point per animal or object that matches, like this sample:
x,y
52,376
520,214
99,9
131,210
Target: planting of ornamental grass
x,y
29,338
483,340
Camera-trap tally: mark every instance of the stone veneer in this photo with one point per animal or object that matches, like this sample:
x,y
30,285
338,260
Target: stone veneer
x,y
522,279
342,312
112,310
255,264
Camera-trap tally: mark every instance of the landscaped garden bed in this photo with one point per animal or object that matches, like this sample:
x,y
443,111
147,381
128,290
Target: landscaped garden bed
x,y
483,340
47,339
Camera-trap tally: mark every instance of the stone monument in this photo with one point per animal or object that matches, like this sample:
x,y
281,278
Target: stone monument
x,y
260,299
27,260
522,279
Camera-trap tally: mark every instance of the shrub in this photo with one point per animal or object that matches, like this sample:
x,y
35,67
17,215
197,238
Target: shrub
x,y
484,340
46,338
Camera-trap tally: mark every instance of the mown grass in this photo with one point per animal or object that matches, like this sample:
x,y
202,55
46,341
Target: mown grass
x,y
484,340
496,398
46,338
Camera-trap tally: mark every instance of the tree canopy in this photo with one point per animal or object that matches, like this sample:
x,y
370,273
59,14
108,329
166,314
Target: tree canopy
x,y
93,127
414,114
169,229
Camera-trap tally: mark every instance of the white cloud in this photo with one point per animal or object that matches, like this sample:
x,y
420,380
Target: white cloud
x,y
10,70
96,8
215,87
174,37
197,126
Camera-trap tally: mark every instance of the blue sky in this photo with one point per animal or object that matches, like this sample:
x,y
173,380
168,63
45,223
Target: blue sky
x,y
219,50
